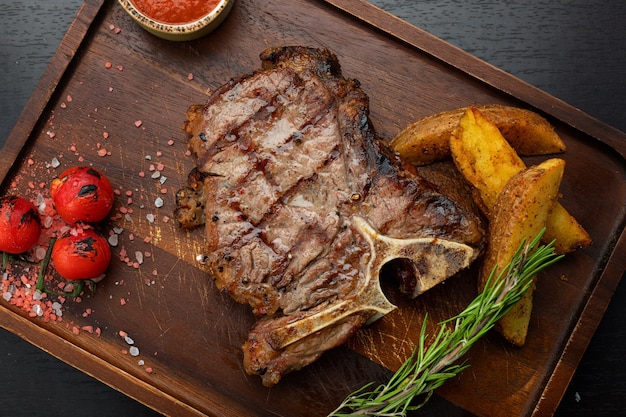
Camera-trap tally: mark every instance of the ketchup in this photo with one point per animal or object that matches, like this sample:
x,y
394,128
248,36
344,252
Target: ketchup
x,y
175,11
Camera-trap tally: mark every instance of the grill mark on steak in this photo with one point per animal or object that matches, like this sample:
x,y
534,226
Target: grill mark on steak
x,y
303,203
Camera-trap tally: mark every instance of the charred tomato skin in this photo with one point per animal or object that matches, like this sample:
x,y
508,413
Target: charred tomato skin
x,y
82,194
20,227
81,254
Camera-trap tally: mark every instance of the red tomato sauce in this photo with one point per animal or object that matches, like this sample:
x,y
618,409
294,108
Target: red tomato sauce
x,y
175,11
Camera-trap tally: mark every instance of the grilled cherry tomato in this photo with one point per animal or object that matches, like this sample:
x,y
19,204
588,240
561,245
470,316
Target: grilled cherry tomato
x,y
82,194
19,225
81,254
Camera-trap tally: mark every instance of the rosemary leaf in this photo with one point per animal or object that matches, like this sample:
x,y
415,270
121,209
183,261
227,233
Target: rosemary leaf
x,y
428,367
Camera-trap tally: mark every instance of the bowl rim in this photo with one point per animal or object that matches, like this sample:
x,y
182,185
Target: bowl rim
x,y
175,28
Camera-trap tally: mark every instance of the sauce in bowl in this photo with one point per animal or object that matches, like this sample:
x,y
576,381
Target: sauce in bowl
x,y
175,11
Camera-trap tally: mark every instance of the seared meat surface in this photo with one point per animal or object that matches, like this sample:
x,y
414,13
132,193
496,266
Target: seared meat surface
x,y
302,205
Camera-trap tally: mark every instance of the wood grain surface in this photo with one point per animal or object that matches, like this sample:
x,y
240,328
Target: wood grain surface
x,y
122,402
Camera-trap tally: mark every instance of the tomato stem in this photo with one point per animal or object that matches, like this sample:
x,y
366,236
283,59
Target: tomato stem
x,y
78,288
5,260
41,286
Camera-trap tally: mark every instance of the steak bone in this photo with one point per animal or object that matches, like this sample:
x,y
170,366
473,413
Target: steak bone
x,y
433,261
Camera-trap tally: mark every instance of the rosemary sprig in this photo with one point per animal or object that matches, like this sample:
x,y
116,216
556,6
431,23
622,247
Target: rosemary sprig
x,y
429,367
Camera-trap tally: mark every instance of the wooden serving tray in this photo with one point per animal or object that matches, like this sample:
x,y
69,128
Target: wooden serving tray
x,y
187,332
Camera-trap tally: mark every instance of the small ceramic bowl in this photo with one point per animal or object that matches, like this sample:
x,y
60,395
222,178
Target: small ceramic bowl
x,y
181,31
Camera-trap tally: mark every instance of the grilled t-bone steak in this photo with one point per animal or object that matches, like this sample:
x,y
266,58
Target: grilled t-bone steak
x,y
303,205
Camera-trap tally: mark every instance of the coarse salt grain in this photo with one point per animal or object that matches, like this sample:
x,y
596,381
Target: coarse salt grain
x,y
134,351
158,202
113,240
138,123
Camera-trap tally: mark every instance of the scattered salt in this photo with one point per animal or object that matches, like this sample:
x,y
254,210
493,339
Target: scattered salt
x,y
40,253
47,222
134,351
158,202
113,240
129,340
150,217
37,310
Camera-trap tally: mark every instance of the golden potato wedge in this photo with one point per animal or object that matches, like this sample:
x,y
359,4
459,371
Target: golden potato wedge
x,y
488,162
426,140
519,214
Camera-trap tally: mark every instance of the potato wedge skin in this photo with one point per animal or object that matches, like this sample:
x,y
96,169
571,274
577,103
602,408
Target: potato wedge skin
x,y
519,214
426,140
488,162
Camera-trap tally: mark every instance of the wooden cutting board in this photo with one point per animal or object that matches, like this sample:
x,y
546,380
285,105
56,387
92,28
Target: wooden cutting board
x,y
187,332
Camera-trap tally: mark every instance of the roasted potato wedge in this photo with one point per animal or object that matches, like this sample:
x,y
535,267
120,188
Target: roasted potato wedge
x,y
519,214
426,140
488,162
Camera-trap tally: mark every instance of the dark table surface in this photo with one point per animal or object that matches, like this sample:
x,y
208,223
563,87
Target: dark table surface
x,y
573,49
